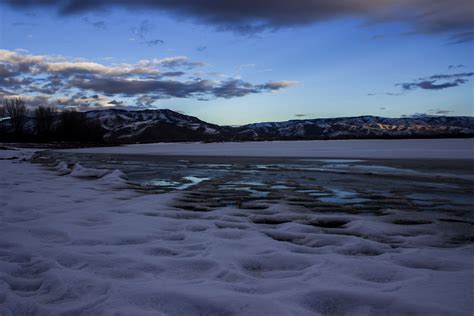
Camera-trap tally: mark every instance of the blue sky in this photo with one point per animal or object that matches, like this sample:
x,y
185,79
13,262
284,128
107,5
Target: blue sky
x,y
337,66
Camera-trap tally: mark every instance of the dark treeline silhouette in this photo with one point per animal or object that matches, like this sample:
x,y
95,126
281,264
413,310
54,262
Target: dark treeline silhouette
x,y
46,124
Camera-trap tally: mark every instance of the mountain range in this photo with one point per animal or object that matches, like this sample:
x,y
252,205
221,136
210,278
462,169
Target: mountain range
x,y
144,126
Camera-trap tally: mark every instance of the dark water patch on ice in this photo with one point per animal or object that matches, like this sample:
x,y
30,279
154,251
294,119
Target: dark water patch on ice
x,y
328,223
455,220
410,222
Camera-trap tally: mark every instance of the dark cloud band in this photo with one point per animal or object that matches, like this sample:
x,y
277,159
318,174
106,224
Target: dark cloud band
x,y
246,16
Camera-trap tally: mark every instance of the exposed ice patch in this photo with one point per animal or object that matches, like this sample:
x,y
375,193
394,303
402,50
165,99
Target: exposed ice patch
x,y
342,197
163,183
280,187
192,181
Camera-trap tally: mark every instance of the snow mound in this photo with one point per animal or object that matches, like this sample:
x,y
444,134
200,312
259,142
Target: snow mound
x,y
112,179
79,171
115,179
62,168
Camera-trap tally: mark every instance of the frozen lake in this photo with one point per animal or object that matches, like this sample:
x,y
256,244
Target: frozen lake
x,y
371,149
259,177
99,231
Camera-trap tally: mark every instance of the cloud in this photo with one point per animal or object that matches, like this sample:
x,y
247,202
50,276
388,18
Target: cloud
x,y
377,37
145,101
277,85
301,114
143,29
250,16
450,76
26,24
238,88
172,62
115,102
416,115
460,38
431,113
153,42
434,82
385,93
97,24
437,82
173,73
456,66
431,85
440,112
43,79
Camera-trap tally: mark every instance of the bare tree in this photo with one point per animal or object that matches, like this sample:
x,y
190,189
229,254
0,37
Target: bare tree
x,y
17,112
3,117
44,120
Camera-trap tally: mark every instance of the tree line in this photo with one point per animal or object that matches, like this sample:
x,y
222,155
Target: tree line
x,y
18,123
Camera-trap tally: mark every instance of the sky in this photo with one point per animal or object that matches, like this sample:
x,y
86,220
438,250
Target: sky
x,y
241,61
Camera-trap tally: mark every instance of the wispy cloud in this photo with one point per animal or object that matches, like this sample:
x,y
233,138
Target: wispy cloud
x,y
462,37
456,66
143,29
97,24
154,42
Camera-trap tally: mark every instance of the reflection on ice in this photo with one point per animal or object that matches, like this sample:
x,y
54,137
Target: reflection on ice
x,y
343,197
337,160
192,181
338,200
279,187
163,183
343,194
189,182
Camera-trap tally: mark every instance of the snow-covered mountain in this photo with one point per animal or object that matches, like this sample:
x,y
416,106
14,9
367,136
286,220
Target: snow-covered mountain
x,y
361,127
125,126
146,126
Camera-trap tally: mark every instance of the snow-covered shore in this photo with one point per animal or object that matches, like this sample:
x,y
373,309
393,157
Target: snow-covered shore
x,y
76,241
370,149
